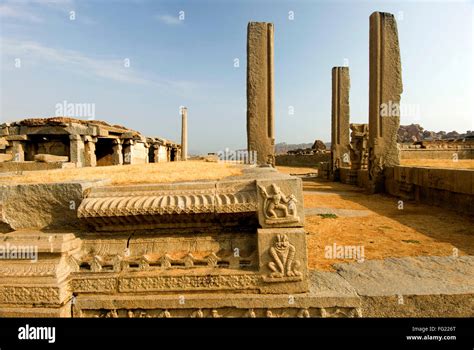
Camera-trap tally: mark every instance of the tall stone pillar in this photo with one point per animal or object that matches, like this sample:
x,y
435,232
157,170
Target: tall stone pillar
x,y
260,94
340,156
117,156
385,88
76,150
184,133
89,153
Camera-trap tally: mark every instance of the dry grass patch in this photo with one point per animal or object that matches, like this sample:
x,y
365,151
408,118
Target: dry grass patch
x,y
132,174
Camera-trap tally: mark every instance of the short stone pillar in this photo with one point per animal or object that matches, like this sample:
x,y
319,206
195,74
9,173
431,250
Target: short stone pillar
x,y
128,151
385,89
340,156
260,92
18,151
156,147
184,133
15,145
358,146
117,156
89,153
76,150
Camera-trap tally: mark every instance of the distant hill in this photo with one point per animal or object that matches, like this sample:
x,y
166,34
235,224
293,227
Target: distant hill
x,y
415,132
283,147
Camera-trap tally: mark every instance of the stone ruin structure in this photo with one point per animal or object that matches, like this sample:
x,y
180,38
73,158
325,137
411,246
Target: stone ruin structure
x,y
358,151
374,152
376,148
260,92
463,143
235,247
358,146
129,247
184,133
339,120
385,89
79,143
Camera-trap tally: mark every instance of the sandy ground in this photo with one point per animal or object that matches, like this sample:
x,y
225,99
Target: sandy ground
x,y
131,174
387,231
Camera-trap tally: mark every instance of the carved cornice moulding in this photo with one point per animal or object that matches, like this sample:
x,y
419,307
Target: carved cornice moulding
x,y
188,204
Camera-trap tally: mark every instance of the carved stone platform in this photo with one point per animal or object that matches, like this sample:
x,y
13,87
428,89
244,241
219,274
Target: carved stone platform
x,y
329,296
239,235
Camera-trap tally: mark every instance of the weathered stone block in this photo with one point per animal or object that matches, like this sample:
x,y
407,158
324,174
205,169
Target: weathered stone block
x,y
44,206
280,203
5,157
49,158
283,259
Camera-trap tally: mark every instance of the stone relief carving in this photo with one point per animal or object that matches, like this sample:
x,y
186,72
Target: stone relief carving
x,y
283,255
118,263
375,163
300,312
250,314
190,282
303,313
94,284
277,207
358,146
29,270
340,312
197,314
11,294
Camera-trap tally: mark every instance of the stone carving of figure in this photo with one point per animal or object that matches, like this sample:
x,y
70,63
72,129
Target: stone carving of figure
x,y
358,146
278,202
283,255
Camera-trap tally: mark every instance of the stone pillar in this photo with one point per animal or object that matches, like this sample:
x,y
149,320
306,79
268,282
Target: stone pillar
x,y
15,144
117,157
260,94
340,156
128,151
76,150
18,151
89,153
177,153
385,88
184,133
156,152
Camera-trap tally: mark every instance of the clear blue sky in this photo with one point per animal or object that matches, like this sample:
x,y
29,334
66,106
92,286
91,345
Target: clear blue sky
x,y
191,63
